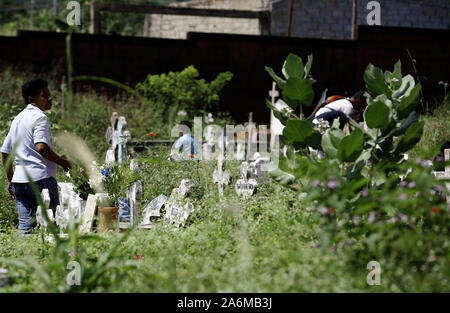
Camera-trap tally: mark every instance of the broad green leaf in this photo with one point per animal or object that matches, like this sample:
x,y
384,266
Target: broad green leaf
x,y
405,88
331,140
300,133
411,137
369,98
308,65
376,115
412,118
319,103
298,91
281,176
398,69
375,83
280,82
293,67
351,146
280,116
396,76
409,102
355,170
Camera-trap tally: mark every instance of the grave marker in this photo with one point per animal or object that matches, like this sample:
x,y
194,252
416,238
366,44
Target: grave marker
x,y
134,195
153,209
178,207
446,173
89,212
221,177
117,136
245,186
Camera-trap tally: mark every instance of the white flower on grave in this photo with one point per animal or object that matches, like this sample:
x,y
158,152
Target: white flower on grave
x,y
322,126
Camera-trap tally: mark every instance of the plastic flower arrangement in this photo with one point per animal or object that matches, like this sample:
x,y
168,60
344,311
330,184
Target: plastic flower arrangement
x,y
117,180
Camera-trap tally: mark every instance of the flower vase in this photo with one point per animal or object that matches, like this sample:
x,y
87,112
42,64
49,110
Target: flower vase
x,y
109,218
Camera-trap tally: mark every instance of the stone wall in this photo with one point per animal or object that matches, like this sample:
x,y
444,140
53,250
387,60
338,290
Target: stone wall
x,y
333,18
176,26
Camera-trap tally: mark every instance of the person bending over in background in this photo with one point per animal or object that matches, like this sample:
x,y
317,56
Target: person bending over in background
x,y
341,108
186,143
28,140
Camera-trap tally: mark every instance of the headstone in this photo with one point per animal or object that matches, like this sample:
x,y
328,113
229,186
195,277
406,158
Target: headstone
x,y
245,186
259,165
446,173
89,212
39,216
153,209
221,177
178,207
70,205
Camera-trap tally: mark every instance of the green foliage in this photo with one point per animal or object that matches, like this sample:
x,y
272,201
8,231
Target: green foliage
x,y
183,90
297,88
392,124
117,180
80,180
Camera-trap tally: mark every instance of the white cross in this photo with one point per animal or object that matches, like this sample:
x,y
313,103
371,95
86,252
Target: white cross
x,y
221,177
274,92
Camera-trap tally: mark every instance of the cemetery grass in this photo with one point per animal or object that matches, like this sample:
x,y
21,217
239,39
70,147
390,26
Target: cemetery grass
x,y
264,244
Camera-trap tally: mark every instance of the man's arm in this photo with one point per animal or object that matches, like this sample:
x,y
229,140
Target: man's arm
x,y
9,173
47,152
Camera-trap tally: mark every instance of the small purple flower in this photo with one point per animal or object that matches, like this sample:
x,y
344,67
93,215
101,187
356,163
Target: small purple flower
x,y
332,184
403,217
418,161
72,253
403,183
426,163
437,188
394,220
334,248
356,218
324,211
365,193
314,208
403,196
371,218
411,185
315,183
439,158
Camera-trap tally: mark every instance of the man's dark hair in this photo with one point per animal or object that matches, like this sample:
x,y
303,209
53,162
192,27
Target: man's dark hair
x,y
186,123
358,95
32,88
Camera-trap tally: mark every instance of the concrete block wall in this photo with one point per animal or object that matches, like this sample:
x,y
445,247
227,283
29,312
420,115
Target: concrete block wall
x,y
177,27
333,18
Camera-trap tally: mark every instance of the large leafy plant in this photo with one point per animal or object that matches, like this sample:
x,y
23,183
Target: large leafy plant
x,y
391,127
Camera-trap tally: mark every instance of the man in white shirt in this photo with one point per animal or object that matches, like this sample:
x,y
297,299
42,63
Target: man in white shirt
x,y
339,107
34,160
